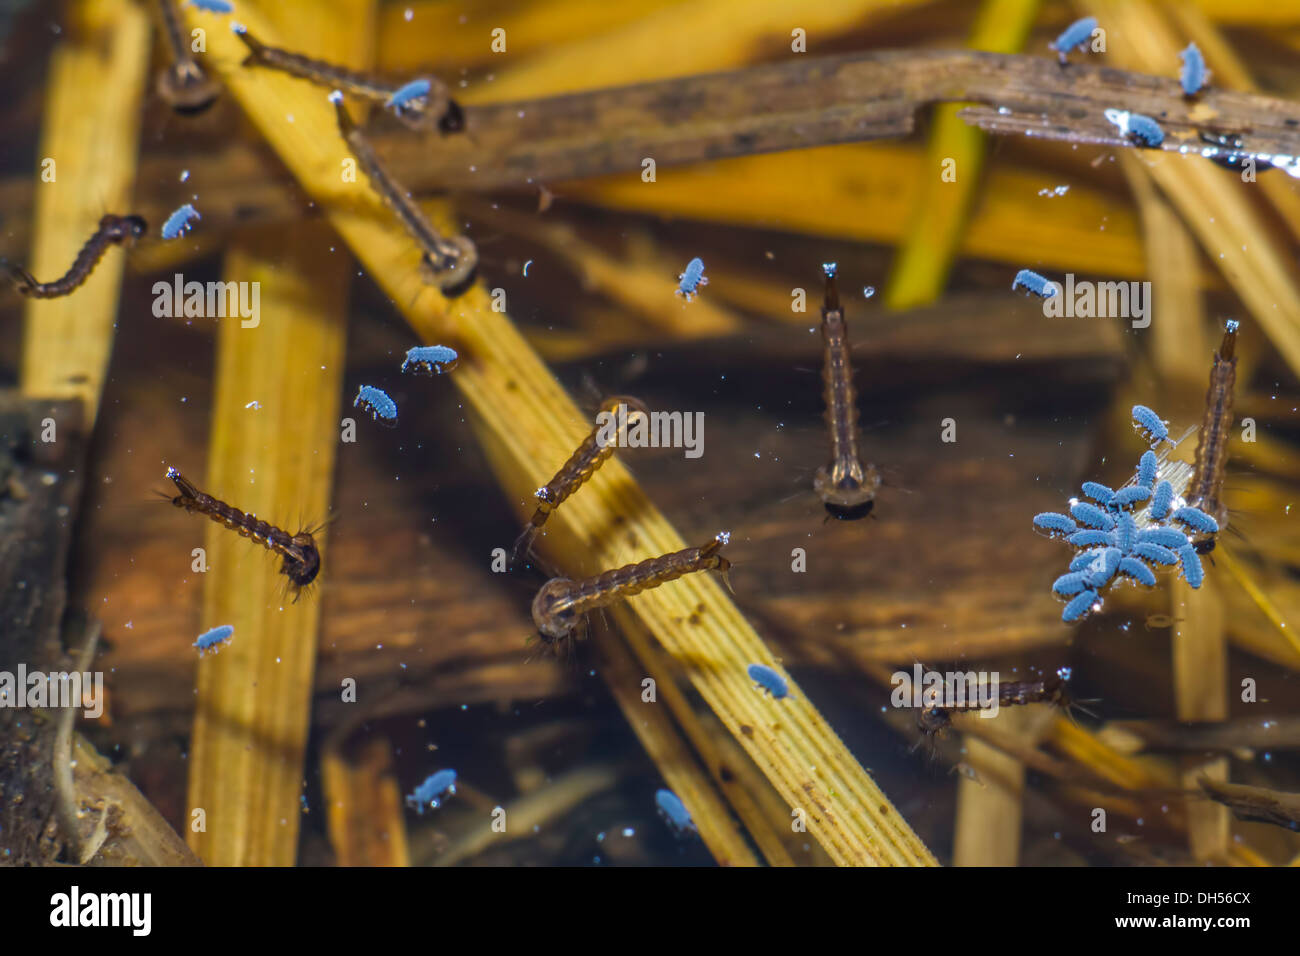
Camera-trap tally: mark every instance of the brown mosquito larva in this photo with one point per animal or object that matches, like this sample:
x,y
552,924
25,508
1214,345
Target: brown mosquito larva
x,y
1052,690
112,231
560,605
432,109
183,84
301,557
582,464
1205,489
450,263
846,486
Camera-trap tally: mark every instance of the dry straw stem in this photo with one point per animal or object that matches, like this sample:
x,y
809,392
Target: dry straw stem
x,y
363,805
92,122
527,424
1200,670
990,809
254,698
1210,200
942,209
854,192
653,726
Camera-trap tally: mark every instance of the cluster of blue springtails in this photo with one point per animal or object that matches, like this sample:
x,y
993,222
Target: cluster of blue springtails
x,y
1128,532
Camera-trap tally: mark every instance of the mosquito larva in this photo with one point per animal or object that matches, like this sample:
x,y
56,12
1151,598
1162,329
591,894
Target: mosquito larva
x,y
560,605
582,464
1205,490
420,104
301,557
112,231
184,85
846,486
1052,690
449,262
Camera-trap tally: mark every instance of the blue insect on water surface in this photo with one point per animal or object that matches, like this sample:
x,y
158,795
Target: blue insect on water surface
x,y
376,401
1193,73
430,360
178,223
1142,130
692,278
1112,545
1031,281
769,680
674,811
213,639
1075,36
433,791
212,6
402,96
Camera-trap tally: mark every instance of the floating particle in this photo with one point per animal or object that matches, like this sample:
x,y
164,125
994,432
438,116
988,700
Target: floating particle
x,y
1092,516
430,793
212,6
1145,420
1068,584
1055,523
1127,497
1138,571
1088,538
1154,552
674,811
1193,572
1170,538
430,359
403,95
1103,568
1193,72
178,222
1197,520
769,680
1098,492
526,265
381,408
1031,281
1147,468
1161,500
692,278
213,639
1079,606
1075,36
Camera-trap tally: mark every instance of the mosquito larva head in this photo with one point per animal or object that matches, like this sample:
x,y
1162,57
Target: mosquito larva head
x,y
553,610
847,489
125,229
186,88
302,572
455,268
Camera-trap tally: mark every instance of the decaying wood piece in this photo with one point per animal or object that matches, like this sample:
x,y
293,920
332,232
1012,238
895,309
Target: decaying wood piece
x,y
1258,804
